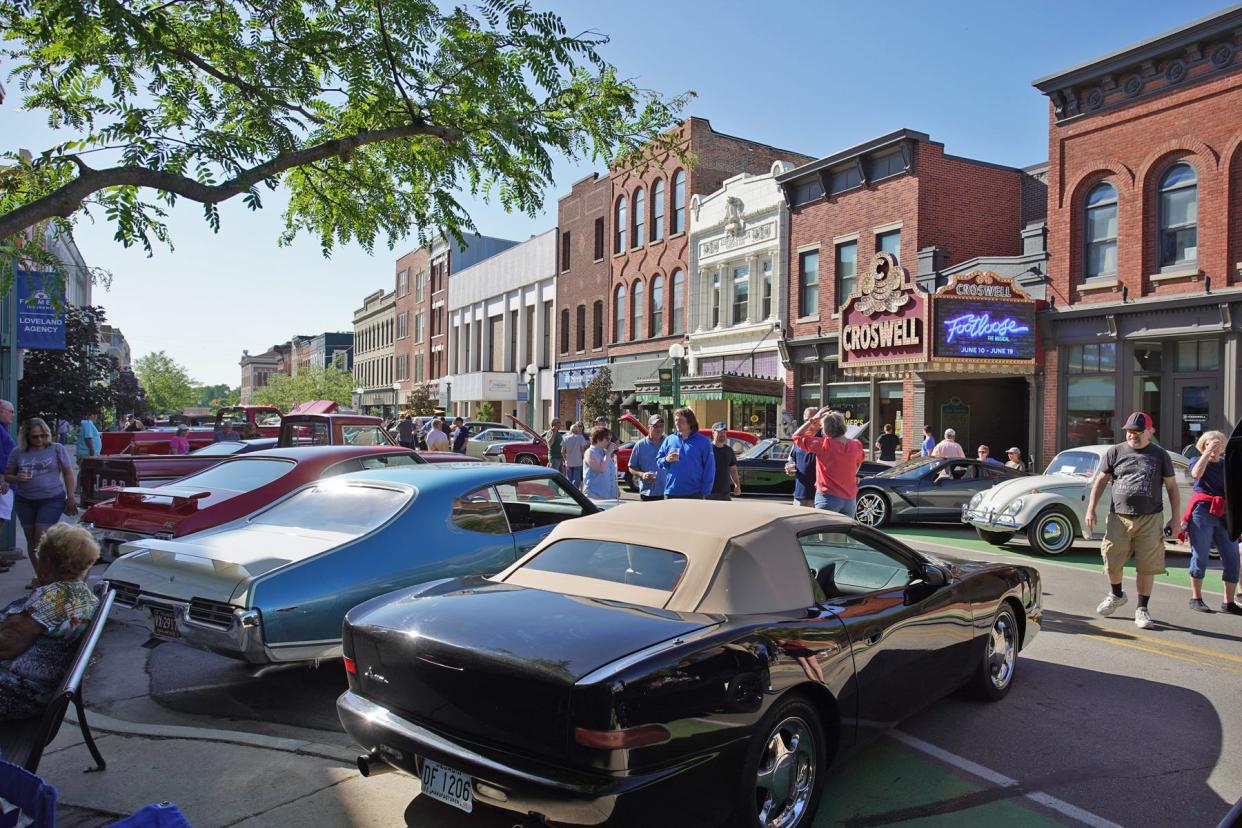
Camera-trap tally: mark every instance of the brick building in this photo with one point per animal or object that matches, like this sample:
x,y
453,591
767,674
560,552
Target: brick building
x,y
582,285
420,308
877,232
1145,225
648,246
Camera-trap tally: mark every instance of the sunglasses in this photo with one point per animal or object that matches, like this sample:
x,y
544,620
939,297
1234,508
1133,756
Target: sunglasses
x,y
37,435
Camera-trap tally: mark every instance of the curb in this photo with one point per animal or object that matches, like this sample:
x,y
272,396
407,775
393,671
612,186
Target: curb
x,y
107,724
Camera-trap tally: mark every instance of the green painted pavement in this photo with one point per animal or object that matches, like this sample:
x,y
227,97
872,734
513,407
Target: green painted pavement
x,y
887,783
1176,564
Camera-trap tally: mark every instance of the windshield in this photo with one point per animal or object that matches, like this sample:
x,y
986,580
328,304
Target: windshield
x,y
1074,464
333,507
912,469
219,449
767,449
240,475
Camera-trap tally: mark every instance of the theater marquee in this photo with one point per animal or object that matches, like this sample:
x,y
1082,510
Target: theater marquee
x,y
884,322
982,316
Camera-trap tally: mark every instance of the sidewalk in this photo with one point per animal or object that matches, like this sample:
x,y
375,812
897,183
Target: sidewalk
x,y
217,777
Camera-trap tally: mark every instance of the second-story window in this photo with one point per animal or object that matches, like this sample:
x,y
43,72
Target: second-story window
x,y
657,306
565,250
564,330
657,210
639,321
1179,217
618,314
765,310
597,324
678,309
580,332
599,238
1100,231
889,242
679,202
621,224
640,217
846,270
715,300
808,283
741,294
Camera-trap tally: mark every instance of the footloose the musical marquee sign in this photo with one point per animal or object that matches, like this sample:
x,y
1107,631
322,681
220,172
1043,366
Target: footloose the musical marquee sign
x,y
983,316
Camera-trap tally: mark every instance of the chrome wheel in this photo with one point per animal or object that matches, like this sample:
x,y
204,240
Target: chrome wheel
x,y
528,459
1002,651
786,774
1052,533
871,509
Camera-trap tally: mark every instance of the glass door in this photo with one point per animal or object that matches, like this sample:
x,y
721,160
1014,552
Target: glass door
x,y
1196,402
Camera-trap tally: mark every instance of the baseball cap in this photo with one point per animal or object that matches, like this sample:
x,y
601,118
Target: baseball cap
x,y
601,419
720,427
655,419
1013,450
1138,421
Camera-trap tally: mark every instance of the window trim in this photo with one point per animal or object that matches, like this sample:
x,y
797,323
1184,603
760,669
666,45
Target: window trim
x,y
676,226
638,298
620,242
802,285
1190,264
653,330
837,283
638,217
1087,278
657,222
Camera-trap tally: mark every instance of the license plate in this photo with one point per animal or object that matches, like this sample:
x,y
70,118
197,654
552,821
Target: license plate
x,y
450,786
165,623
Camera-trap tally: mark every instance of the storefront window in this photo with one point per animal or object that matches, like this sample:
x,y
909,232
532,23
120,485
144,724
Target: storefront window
x,y
1198,355
1090,394
757,418
1148,357
853,399
808,388
891,396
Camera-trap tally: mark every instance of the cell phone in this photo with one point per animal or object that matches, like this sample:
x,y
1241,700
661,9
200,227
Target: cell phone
x,y
1168,531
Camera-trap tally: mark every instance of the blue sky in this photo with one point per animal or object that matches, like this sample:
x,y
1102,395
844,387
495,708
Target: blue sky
x,y
812,77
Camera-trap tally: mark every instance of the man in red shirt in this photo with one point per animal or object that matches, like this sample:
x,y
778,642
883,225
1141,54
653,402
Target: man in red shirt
x,y
837,459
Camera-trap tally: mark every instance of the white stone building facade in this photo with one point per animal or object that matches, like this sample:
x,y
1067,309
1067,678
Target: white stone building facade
x,y
374,370
501,319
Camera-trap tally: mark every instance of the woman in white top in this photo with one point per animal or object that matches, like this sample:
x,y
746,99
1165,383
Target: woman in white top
x,y
600,474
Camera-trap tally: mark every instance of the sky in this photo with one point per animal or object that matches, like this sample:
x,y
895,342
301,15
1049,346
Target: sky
x,y
813,77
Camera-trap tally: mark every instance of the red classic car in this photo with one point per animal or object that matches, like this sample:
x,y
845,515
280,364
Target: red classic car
x,y
102,475
227,491
739,440
533,453
155,440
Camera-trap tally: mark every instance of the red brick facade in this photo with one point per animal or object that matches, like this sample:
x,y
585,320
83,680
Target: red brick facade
x,y
409,269
717,157
582,277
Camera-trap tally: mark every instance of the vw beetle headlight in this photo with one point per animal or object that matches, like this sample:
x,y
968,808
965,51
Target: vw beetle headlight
x,y
976,500
1013,508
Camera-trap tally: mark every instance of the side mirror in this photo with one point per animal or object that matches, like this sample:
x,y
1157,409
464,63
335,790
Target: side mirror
x,y
933,575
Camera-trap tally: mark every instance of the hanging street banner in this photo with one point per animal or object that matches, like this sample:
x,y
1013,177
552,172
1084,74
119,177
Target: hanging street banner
x,y
40,311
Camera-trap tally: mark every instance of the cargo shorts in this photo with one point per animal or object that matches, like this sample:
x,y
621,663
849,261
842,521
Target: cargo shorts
x,y
1139,535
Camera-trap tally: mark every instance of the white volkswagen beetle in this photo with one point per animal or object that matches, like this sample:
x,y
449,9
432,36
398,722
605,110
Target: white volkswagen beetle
x,y
1051,508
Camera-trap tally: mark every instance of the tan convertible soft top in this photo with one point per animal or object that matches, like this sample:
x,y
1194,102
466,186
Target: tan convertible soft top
x,y
741,556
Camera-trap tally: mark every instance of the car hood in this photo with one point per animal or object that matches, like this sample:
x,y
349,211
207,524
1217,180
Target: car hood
x,y
217,565
1003,493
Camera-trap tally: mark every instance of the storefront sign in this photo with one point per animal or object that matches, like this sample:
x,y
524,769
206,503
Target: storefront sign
x,y
982,316
40,311
884,321
757,233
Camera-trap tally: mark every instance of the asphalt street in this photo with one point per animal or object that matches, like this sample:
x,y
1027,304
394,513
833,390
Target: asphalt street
x,y
1106,725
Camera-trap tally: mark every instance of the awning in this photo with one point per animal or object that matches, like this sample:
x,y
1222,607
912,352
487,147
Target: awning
x,y
734,388
766,399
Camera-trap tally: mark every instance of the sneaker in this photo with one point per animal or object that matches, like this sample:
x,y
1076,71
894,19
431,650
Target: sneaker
x,y
1142,619
1197,605
1109,605
1231,608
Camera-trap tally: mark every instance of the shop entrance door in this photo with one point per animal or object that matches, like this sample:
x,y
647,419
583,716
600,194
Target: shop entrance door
x,y
1196,409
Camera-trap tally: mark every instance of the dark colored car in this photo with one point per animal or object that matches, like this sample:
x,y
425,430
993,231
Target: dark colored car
x,y
926,488
674,662
762,469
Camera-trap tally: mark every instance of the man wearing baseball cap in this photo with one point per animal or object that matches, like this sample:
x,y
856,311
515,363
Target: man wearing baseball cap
x,y
647,475
725,482
1015,458
1136,468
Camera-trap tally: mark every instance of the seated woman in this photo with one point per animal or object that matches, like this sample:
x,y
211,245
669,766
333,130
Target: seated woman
x,y
39,633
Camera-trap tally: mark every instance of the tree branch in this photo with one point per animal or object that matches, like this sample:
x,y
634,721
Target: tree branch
x,y
392,61
66,200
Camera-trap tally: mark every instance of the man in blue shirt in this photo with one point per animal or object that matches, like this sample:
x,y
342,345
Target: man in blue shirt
x,y
801,466
929,441
687,459
460,435
646,473
89,443
984,455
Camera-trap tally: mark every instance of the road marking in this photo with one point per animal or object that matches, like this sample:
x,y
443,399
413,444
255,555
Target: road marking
x,y
996,778
1202,662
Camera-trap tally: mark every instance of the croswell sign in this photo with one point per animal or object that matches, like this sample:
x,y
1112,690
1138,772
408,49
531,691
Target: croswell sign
x,y
982,316
884,322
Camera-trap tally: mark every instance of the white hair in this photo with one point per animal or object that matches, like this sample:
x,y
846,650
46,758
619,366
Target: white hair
x,y
948,432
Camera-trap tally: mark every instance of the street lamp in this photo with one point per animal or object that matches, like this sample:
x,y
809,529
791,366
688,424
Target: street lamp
x,y
532,371
358,399
676,352
396,399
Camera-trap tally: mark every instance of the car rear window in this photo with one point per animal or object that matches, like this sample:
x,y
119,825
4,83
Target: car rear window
x,y
332,507
621,563
241,475
219,449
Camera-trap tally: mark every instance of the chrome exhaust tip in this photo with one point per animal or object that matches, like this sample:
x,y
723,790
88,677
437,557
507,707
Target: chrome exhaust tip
x,y
373,764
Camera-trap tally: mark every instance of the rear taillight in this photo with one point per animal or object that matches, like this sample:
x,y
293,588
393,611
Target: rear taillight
x,y
350,667
630,737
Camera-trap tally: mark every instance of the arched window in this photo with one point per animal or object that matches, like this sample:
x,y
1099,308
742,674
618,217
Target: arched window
x,y
621,225
564,330
618,314
679,201
580,339
640,217
657,306
657,210
597,324
1100,231
639,312
679,302
1179,217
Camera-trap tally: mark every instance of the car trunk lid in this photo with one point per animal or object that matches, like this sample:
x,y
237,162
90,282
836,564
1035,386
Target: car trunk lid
x,y
498,663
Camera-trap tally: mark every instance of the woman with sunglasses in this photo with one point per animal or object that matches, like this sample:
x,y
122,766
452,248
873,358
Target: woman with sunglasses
x,y
41,474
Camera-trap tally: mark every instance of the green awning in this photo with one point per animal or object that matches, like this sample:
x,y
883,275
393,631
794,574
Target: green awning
x,y
728,396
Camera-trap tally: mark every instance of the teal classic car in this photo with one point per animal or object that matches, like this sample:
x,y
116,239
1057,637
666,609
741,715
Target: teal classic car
x,y
274,586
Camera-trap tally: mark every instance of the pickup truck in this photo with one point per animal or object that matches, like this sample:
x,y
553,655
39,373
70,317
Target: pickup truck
x,y
103,476
155,440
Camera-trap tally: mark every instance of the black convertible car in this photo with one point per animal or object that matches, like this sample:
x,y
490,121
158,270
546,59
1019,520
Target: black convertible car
x,y
926,488
762,469
674,662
